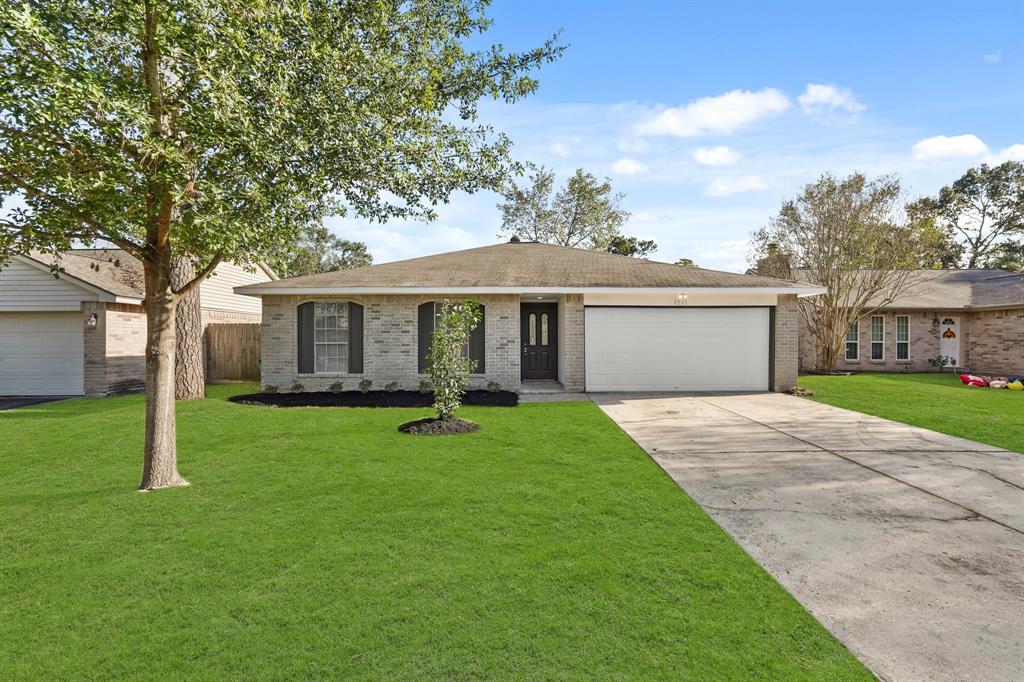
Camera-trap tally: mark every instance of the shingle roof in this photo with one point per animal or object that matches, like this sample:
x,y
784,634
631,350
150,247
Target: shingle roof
x,y
523,265
112,270
938,289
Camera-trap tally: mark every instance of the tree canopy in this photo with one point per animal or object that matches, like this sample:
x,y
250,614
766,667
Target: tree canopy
x,y
983,209
318,250
583,214
213,129
631,246
849,235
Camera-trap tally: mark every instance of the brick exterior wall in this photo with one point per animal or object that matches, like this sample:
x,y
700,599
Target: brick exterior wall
x,y
997,342
115,349
389,342
991,342
785,352
572,372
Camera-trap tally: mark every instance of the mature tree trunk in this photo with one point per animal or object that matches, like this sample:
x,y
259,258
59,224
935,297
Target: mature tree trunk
x,y
160,469
189,372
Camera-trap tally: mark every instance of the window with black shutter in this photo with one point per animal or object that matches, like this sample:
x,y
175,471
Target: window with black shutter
x,y
476,349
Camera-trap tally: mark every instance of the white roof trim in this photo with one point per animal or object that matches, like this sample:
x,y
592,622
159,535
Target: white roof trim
x,y
259,290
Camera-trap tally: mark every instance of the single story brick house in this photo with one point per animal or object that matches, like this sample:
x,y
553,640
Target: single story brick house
x,y
975,317
84,331
586,320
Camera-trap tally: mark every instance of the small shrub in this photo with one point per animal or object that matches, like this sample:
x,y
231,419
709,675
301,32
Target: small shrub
x,y
391,387
941,361
426,386
337,387
493,387
297,387
270,388
365,385
449,367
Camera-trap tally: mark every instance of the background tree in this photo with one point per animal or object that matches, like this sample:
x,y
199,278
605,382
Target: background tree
x,y
584,214
848,235
1009,256
686,263
318,250
211,129
631,246
984,209
939,247
450,366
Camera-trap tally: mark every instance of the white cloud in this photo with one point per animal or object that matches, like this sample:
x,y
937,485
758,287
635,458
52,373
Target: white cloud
x,y
949,147
730,255
1015,152
641,217
715,156
627,166
715,115
820,99
560,149
724,187
994,57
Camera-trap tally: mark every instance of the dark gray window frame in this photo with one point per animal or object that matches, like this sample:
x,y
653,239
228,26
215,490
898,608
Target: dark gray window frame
x,y
305,318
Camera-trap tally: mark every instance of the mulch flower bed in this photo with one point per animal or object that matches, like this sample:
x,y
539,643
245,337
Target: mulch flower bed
x,y
432,426
371,399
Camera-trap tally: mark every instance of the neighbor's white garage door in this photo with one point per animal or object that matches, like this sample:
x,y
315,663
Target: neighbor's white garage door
x,y
41,354
677,349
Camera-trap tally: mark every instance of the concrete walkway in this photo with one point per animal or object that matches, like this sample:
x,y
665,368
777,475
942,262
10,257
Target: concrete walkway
x,y
905,543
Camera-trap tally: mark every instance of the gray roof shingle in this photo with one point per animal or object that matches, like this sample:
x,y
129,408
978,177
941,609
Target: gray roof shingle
x,y
950,289
525,265
112,270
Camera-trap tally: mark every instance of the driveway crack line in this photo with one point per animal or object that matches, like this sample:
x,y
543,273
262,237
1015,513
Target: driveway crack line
x,y
873,470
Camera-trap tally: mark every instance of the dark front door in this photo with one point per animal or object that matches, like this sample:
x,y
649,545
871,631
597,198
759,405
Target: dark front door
x,y
540,340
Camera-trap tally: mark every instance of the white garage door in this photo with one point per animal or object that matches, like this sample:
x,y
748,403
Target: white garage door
x,y
677,349
41,354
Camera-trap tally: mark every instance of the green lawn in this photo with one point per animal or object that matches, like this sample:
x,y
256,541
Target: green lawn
x,y
321,542
935,401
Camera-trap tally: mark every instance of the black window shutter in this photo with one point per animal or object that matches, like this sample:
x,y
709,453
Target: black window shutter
x,y
477,344
424,333
355,338
305,332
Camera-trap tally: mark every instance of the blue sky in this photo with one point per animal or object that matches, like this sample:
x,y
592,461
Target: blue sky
x,y
708,115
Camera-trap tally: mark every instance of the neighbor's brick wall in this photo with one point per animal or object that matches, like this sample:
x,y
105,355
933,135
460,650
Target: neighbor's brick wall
x,y
115,349
571,339
787,347
389,342
924,343
997,341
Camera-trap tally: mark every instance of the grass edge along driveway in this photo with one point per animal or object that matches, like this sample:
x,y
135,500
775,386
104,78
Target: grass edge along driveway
x,y
935,401
322,542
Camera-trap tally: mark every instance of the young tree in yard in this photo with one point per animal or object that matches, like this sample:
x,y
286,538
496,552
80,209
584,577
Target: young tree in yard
x,y
848,235
584,214
984,208
450,366
212,129
317,250
631,246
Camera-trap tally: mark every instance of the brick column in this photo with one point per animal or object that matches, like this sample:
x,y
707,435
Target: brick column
x,y
786,350
95,348
572,338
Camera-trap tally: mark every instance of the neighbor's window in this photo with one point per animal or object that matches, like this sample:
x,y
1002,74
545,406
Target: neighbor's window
x,y
877,337
853,342
902,337
330,337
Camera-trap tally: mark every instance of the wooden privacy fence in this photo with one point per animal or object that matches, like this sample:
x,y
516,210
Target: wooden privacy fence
x,y
233,352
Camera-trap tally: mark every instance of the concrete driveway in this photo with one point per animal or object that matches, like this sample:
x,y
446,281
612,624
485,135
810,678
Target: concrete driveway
x,y
907,544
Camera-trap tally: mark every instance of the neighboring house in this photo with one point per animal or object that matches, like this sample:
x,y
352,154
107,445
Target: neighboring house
x,y
975,317
84,332
589,321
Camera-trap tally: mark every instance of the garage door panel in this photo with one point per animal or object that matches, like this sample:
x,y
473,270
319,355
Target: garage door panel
x,y
41,354
677,349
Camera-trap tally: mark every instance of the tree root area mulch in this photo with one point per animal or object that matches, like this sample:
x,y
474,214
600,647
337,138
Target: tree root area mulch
x,y
432,426
371,399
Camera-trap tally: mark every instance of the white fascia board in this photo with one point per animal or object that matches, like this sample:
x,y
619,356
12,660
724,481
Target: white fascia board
x,y
258,290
